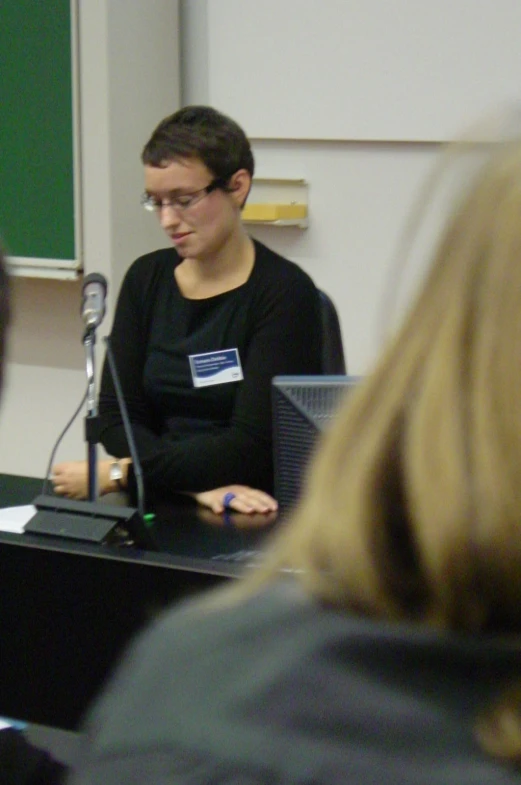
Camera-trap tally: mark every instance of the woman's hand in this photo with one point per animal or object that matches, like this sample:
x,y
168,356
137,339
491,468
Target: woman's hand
x,y
238,520
71,478
241,498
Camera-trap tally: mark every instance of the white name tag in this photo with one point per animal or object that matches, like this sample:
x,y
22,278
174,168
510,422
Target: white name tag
x,y
215,367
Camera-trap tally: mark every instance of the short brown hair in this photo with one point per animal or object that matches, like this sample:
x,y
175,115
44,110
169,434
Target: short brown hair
x,y
203,133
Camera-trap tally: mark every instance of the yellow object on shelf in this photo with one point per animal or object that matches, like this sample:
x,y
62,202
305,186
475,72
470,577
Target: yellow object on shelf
x,y
274,212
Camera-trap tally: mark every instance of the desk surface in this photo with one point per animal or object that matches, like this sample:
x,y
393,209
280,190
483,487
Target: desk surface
x,y
185,534
68,609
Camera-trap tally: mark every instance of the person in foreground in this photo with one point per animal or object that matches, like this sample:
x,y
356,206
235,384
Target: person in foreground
x,y
381,639
201,328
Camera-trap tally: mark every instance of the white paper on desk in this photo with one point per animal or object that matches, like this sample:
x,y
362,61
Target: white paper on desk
x,y
13,519
5,723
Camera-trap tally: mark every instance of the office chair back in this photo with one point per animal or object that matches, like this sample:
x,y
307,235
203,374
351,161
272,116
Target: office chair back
x,y
333,358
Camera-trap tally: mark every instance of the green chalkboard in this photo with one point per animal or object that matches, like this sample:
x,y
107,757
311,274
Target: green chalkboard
x,y
36,129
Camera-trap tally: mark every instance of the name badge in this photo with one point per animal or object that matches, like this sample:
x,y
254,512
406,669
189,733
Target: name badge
x,y
215,367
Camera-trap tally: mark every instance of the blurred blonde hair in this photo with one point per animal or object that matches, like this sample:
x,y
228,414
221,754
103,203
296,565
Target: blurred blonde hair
x,y
412,507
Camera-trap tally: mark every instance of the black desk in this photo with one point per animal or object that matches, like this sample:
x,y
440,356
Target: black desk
x,y
68,609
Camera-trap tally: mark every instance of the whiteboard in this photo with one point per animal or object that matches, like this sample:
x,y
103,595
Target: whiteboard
x,y
395,70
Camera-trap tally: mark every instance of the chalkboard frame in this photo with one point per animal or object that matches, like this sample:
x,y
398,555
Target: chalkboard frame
x,y
40,226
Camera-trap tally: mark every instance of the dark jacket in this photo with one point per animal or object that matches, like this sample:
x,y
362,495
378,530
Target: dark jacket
x,y
21,763
281,690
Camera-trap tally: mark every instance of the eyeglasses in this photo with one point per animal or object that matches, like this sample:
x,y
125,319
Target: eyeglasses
x,y
182,202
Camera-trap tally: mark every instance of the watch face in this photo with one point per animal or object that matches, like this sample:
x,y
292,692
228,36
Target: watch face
x,y
116,472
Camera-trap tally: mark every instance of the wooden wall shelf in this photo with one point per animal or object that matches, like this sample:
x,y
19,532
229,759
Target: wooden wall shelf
x,y
277,202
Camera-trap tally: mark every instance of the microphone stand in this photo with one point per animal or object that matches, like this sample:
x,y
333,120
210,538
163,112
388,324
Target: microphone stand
x,y
92,422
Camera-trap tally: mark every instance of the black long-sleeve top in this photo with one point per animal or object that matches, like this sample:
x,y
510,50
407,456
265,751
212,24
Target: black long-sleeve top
x,y
193,439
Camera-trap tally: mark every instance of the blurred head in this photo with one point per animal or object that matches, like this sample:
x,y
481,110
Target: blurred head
x,y
198,171
4,311
413,504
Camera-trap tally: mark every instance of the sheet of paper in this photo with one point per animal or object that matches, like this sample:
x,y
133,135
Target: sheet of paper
x,y
13,519
6,723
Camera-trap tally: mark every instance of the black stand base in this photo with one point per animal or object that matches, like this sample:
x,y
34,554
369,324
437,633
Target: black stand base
x,y
89,522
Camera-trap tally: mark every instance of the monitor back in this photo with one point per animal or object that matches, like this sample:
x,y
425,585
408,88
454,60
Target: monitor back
x,y
302,407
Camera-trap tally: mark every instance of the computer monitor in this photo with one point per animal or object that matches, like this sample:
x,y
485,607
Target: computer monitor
x,y
302,407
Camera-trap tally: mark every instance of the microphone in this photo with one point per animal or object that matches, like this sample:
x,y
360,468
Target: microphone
x,y
91,520
94,292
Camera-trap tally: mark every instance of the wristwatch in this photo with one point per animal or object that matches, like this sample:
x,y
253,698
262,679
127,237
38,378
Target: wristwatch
x,y
116,474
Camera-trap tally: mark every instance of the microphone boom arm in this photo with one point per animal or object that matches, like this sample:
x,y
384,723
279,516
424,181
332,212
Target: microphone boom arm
x,y
92,419
136,463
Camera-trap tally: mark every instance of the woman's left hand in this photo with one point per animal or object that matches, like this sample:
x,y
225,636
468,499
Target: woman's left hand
x,y
241,498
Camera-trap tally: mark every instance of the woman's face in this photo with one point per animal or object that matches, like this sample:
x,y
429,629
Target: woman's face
x,y
198,223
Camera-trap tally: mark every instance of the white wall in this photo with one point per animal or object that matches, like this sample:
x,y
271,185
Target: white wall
x,y
360,194
129,80
359,198
362,69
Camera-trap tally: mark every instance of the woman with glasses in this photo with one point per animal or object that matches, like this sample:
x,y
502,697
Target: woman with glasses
x,y
201,328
